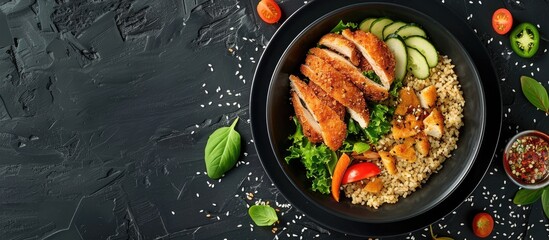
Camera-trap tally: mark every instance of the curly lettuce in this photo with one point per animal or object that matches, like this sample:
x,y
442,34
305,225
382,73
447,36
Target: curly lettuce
x,y
341,25
319,160
380,122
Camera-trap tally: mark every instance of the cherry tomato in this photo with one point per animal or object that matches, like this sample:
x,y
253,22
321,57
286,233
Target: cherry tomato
x,y
269,11
483,224
502,21
360,171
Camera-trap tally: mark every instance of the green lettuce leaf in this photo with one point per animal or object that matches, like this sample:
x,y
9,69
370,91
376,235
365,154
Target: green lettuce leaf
x,y
317,159
341,25
397,85
372,76
380,122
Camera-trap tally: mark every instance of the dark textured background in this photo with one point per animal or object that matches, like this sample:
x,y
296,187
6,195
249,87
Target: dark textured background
x,y
106,106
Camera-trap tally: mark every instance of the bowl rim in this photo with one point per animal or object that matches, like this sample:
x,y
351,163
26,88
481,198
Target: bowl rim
x,y
490,140
537,185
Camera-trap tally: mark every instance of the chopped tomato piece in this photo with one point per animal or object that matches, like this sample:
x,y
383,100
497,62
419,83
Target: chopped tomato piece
x,y
360,171
502,21
269,11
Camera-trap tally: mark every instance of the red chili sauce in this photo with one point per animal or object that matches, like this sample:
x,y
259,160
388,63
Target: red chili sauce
x,y
528,158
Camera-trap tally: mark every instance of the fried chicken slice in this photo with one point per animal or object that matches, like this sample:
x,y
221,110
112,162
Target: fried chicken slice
x,y
309,126
376,52
408,100
406,126
423,146
335,84
332,128
341,45
371,89
389,162
329,101
364,65
405,150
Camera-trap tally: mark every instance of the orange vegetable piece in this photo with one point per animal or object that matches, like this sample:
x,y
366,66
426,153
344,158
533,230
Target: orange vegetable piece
x,y
341,165
374,186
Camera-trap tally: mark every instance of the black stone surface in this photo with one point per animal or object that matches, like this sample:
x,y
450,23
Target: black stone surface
x,y
106,106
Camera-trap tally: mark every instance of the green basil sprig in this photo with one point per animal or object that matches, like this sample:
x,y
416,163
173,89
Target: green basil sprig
x,y
222,151
263,215
535,93
529,196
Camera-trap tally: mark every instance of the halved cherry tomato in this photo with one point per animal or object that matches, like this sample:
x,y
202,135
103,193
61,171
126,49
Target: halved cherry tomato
x,y
502,21
340,169
360,171
269,11
483,224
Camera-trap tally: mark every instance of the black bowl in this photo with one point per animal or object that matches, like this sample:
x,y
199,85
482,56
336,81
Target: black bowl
x,y
445,190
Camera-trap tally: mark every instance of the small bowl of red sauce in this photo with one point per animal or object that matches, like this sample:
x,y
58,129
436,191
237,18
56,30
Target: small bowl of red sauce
x,y
526,159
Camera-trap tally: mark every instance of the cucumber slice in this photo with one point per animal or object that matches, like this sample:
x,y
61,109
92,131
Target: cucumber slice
x,y
366,23
411,30
392,28
417,63
378,26
425,48
397,46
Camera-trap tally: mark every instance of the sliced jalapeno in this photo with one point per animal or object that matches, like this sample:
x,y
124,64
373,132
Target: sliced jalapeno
x,y
525,40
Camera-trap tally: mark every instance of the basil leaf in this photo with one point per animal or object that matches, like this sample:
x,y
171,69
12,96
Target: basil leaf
x,y
535,93
527,196
263,215
360,147
222,151
545,201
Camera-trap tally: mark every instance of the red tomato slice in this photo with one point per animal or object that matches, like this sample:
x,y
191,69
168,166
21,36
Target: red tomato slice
x,y
269,11
360,171
483,224
502,21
